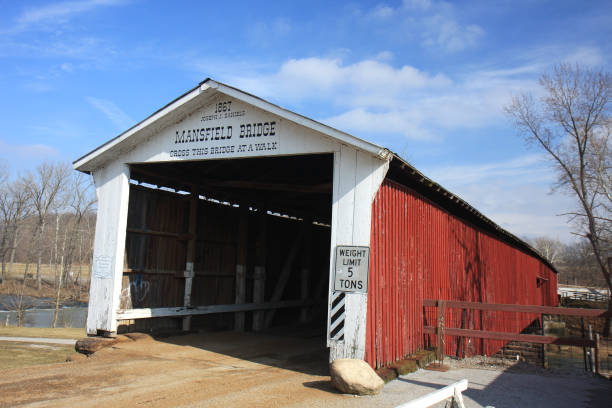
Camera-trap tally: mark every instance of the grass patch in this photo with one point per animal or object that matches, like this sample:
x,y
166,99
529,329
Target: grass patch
x,y
16,355
58,333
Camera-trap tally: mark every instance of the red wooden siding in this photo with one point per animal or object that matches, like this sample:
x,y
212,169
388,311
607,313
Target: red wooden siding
x,y
420,251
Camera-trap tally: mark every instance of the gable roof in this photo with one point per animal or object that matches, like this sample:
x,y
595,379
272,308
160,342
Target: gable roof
x,y
199,96
185,104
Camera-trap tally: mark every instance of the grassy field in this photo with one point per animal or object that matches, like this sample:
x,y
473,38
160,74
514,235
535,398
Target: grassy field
x,y
58,333
15,355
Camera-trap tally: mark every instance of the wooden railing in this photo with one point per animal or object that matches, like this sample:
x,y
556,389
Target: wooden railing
x,y
440,330
451,391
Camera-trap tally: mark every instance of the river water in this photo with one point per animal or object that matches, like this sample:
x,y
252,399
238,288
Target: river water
x,y
70,316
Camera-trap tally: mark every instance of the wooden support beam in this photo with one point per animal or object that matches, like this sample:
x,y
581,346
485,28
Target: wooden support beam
x,y
259,273
130,314
159,233
258,185
565,311
177,179
241,265
284,275
191,246
306,266
529,338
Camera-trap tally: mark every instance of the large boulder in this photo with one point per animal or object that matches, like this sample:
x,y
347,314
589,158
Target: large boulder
x,y
355,377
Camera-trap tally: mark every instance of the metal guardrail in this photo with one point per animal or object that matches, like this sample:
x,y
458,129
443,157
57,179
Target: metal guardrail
x,y
451,391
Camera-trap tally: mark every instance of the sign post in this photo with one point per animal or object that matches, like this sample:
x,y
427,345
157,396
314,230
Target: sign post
x,y
352,267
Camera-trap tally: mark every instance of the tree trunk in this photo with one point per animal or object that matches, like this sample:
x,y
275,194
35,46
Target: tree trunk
x,y
608,325
4,251
12,257
3,278
57,300
20,310
41,231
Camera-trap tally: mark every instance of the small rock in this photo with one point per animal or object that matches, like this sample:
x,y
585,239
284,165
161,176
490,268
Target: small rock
x,y
76,357
353,376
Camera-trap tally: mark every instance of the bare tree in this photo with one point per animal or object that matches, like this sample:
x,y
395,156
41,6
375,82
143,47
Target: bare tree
x,y
45,187
551,249
14,209
81,202
571,123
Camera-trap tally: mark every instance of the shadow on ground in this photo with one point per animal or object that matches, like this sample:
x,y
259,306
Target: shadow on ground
x,y
513,389
295,348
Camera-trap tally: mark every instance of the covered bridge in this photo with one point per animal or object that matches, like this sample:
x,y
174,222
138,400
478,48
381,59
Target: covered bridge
x,y
222,211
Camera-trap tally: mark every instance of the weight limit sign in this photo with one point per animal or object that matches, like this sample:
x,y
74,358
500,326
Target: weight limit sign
x,y
352,267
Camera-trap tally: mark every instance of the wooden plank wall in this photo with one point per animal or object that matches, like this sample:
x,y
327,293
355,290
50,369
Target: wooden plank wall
x,y
156,244
420,251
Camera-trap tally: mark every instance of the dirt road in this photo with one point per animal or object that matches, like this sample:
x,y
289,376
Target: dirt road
x,y
216,370
248,370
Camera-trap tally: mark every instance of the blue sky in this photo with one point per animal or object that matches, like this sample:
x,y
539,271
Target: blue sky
x,y
427,79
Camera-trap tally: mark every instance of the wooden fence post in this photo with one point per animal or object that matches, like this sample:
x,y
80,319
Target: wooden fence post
x,y
591,351
440,340
597,353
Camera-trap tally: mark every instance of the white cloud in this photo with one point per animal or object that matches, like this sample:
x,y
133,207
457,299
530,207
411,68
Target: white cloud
x,y
534,167
437,24
514,193
60,12
112,112
384,56
264,33
405,123
446,33
373,96
375,81
589,56
28,151
382,11
417,4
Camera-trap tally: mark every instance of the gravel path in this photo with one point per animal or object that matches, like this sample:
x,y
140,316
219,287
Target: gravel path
x,y
38,340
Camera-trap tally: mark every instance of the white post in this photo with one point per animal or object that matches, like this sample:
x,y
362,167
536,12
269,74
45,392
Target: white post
x,y
357,178
112,189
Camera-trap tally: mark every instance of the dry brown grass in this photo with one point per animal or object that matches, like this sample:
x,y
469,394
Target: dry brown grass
x,y
57,333
16,355
47,271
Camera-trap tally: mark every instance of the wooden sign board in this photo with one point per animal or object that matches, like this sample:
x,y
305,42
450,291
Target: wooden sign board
x,y
352,268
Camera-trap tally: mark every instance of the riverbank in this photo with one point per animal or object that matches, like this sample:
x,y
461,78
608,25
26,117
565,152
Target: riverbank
x,y
44,297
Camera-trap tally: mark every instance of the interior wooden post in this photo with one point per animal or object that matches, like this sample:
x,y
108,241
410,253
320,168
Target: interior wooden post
x,y
283,278
191,246
306,266
241,265
259,275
